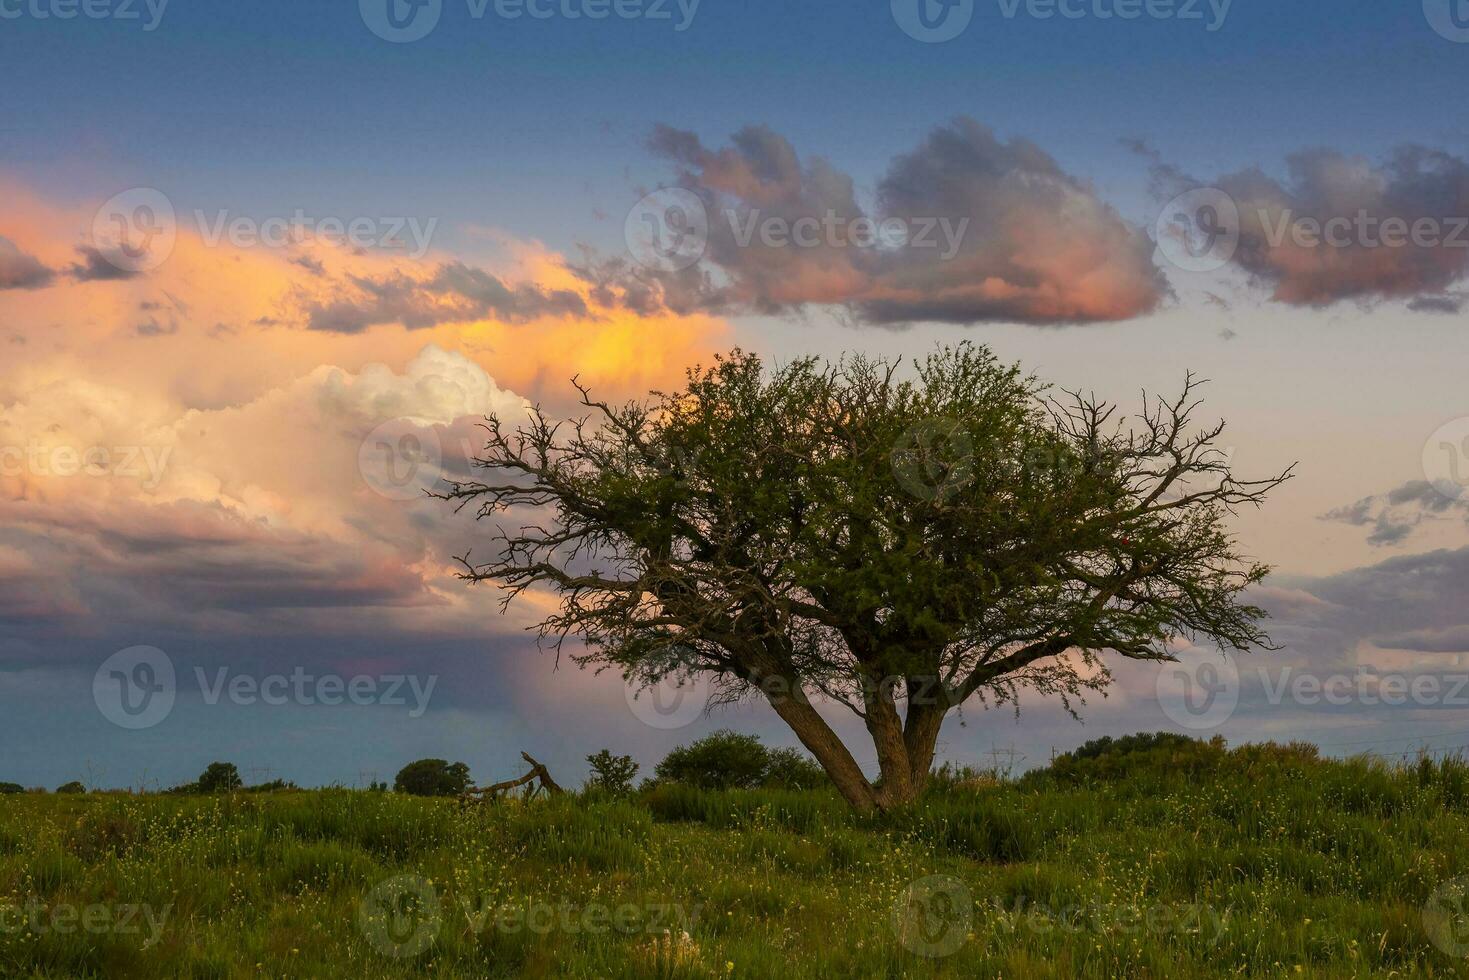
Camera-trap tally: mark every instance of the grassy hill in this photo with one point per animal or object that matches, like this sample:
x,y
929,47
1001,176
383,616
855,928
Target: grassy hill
x,y
1128,859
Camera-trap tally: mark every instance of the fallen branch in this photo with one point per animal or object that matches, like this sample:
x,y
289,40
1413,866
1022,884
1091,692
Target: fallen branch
x,y
538,771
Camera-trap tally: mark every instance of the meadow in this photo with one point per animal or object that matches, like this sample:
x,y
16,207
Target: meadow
x,y
1165,861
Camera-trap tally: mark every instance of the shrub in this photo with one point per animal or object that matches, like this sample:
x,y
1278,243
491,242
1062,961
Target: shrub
x,y
728,760
220,777
12,788
432,777
723,760
74,786
612,774
789,769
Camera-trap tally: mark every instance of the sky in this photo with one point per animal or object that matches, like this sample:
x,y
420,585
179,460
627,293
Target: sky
x,y
263,266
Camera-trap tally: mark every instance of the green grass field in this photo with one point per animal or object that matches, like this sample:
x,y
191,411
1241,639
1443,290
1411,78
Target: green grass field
x,y
1173,862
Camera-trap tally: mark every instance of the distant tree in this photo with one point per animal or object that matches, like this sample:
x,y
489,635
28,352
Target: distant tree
x,y
896,546
12,788
220,777
791,769
75,786
274,786
722,760
612,773
432,777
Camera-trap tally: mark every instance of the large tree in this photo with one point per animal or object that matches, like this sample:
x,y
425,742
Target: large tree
x,y
898,543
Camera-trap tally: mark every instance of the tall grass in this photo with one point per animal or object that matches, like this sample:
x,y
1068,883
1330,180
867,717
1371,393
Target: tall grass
x,y
1145,859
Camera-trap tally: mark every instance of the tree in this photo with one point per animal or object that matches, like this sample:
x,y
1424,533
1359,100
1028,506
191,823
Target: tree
x,y
721,760
897,545
220,777
74,786
612,774
432,777
789,769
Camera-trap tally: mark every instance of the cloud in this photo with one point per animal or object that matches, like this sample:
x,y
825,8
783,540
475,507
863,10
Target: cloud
x,y
1341,227
455,292
19,270
247,518
1393,516
100,266
980,230
1447,305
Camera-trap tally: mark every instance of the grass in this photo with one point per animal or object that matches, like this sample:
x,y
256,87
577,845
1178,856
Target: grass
x,y
1167,860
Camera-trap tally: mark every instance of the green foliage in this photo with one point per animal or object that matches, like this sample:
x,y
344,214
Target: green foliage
x,y
74,786
730,760
721,760
790,769
220,777
611,774
12,788
432,777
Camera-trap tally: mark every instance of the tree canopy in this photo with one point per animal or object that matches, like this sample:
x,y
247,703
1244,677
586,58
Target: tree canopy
x,y
896,543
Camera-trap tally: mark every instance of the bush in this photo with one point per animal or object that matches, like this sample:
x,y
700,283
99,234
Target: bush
x,y
789,769
72,787
723,760
612,774
728,760
432,777
12,788
220,777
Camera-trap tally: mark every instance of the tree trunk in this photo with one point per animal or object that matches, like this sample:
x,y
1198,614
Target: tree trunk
x,y
813,731
886,729
921,735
